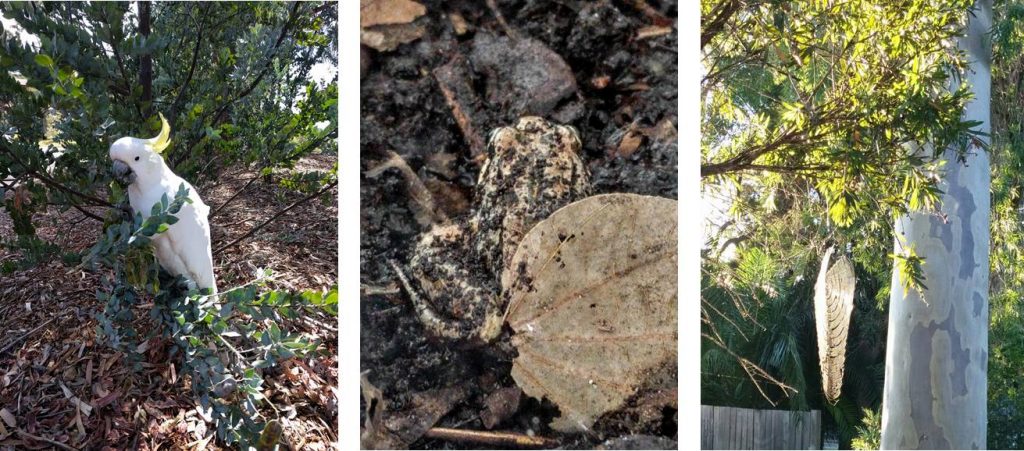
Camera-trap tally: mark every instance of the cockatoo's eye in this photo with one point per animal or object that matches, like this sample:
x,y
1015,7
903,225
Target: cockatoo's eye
x,y
136,158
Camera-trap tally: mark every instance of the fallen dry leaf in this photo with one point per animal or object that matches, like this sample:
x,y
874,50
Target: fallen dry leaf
x,y
387,24
8,418
593,298
631,140
500,405
524,76
384,12
386,38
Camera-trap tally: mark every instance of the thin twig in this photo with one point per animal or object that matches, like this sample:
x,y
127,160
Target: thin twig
x,y
501,19
52,182
414,185
650,12
276,215
46,440
233,196
87,213
24,335
499,439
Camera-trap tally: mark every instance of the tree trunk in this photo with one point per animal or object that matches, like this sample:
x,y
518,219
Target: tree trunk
x,y
937,351
145,63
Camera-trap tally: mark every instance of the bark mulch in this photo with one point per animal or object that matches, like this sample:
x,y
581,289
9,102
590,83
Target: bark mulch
x,y
63,388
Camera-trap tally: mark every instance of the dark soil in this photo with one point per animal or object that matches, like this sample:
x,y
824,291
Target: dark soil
x,y
621,95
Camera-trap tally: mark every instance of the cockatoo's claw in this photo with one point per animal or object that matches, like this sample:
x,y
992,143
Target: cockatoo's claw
x,y
126,211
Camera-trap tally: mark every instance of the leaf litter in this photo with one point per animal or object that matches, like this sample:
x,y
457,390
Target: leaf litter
x,y
61,386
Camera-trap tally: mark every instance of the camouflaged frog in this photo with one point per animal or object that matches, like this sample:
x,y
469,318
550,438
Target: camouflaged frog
x,y
533,169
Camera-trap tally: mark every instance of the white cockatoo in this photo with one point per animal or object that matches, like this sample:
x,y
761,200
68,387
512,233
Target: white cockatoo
x,y
184,249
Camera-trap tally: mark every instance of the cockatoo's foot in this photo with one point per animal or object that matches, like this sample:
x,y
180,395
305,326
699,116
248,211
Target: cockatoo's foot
x,y
126,212
176,286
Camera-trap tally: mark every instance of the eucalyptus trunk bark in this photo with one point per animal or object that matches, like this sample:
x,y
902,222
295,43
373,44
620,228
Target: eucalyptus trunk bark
x,y
937,350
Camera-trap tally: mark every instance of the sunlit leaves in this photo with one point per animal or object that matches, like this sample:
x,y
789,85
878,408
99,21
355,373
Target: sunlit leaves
x,y
920,191
835,91
44,60
910,268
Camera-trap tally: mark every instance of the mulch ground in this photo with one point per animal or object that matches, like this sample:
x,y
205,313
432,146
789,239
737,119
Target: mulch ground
x,y
64,388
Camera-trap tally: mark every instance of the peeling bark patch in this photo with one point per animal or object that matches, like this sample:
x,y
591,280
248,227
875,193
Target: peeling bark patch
x,y
979,302
961,357
920,352
965,208
931,434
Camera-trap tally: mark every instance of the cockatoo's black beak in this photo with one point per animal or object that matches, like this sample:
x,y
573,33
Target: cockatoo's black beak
x,y
122,173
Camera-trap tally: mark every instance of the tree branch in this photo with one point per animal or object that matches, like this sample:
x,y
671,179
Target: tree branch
x,y
87,213
53,183
277,215
312,144
266,68
711,28
176,105
214,115
233,196
145,61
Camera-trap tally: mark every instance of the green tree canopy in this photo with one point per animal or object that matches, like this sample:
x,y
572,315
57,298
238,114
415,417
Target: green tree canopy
x,y
833,92
233,79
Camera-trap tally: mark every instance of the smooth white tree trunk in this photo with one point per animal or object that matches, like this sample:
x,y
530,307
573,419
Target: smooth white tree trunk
x,y
937,350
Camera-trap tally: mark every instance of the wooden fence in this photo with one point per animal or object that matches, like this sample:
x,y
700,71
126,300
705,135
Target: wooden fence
x,y
736,428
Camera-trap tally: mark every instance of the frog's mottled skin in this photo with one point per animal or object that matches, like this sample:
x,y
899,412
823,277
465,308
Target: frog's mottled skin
x,y
533,169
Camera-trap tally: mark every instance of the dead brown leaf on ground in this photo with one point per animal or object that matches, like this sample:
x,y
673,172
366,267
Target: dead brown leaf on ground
x,y
593,298
383,12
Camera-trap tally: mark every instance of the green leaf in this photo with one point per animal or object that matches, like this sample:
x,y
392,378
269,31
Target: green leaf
x,y
44,60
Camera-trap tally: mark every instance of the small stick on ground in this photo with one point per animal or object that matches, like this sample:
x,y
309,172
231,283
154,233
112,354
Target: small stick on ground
x,y
46,440
500,439
451,80
25,335
276,215
425,206
651,13
501,19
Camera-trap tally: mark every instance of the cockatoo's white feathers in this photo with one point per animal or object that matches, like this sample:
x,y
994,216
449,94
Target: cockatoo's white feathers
x,y
184,249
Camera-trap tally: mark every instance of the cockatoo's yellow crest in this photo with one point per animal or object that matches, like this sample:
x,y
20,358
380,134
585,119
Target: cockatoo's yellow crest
x,y
162,140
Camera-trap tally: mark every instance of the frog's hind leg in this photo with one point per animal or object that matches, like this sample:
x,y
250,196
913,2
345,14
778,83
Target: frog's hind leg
x,y
454,299
425,312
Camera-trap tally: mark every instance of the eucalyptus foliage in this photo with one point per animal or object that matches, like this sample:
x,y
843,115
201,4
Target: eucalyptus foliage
x,y
232,78
838,93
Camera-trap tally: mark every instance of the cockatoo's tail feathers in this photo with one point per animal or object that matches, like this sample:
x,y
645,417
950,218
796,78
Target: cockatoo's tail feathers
x,y
162,140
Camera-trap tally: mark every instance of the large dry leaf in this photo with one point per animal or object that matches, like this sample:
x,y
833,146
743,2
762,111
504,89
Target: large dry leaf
x,y
386,24
385,12
386,38
593,298
833,305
